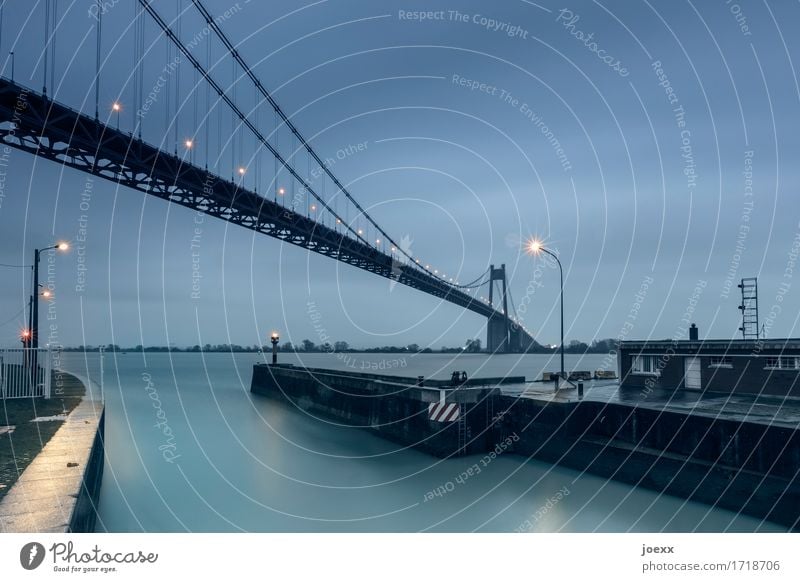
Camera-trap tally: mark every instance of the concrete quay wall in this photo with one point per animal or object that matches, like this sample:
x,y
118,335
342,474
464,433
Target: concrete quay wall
x,y
733,464
742,466
395,410
59,490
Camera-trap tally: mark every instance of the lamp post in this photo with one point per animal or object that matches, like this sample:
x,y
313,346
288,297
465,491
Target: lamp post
x,y
34,312
116,107
536,247
274,338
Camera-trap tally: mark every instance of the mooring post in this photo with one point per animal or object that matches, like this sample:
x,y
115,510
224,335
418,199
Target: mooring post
x,y
580,389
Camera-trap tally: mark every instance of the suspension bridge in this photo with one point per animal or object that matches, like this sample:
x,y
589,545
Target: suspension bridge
x,y
292,205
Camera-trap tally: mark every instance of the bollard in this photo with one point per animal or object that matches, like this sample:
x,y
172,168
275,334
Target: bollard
x,y
580,389
420,380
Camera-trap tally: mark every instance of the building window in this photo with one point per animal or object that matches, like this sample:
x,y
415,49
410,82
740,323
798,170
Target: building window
x,y
783,363
720,362
645,365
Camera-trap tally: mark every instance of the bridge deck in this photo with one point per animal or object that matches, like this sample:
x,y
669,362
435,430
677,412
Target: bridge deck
x,y
33,123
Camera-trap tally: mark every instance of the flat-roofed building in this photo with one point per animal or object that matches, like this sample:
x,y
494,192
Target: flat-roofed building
x,y
764,366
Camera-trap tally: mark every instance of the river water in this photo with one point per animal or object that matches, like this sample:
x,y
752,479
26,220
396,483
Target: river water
x,y
188,448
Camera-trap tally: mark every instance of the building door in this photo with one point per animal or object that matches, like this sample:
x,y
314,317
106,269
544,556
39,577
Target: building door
x,y
692,373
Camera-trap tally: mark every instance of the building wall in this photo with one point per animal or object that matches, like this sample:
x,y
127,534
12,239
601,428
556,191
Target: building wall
x,y
746,375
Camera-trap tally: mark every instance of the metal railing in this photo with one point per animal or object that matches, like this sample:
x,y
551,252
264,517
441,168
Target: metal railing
x,y
25,372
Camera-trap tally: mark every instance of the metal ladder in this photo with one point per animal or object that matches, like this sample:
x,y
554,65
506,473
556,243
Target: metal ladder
x,y
462,431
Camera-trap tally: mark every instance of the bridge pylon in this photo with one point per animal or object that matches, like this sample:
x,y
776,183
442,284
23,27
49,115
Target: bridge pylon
x,y
498,331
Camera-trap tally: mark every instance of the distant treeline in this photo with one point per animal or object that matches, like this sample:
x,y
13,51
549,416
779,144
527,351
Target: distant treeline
x,y
474,346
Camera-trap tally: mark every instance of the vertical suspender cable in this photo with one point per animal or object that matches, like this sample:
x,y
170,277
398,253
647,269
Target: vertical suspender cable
x,y
179,6
218,160
97,60
292,150
193,130
276,184
53,47
234,126
240,155
136,65
208,98
257,147
141,66
168,88
46,44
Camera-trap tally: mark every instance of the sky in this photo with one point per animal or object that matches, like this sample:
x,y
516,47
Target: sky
x,y
652,145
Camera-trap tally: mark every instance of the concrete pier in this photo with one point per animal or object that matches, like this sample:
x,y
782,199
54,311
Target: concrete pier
x,y
697,450
392,406
58,491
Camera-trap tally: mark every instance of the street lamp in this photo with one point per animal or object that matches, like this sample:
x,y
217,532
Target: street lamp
x,y
116,107
535,247
34,314
188,143
274,338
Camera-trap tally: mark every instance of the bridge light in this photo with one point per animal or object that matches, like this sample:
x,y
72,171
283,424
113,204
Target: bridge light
x,y
281,191
313,208
416,261
242,170
377,241
338,221
393,249
189,144
360,231
116,107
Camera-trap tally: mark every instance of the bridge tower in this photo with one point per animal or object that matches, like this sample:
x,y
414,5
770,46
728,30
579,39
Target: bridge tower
x,y
498,335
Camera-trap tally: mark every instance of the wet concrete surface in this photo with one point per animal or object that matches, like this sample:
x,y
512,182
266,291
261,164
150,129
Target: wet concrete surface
x,y
770,410
44,497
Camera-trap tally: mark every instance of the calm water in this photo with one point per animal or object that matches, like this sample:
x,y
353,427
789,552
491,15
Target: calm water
x,y
190,449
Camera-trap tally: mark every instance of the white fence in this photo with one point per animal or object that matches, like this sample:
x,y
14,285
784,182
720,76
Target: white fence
x,y
25,372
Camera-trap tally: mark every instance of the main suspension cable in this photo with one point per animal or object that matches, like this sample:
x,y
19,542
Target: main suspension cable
x,y
214,85
212,24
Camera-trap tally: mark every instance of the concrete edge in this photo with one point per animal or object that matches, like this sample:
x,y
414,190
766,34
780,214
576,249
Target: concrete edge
x,y
58,491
